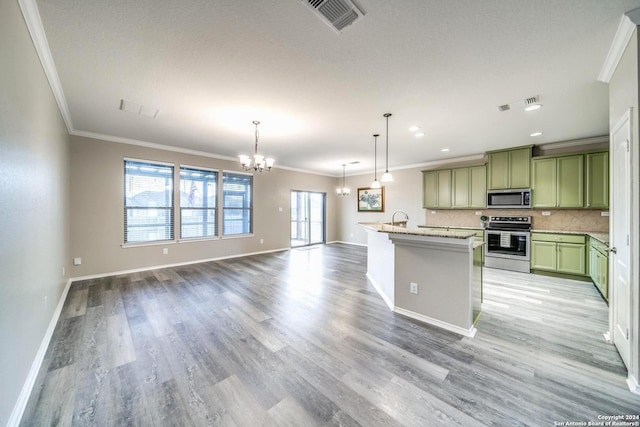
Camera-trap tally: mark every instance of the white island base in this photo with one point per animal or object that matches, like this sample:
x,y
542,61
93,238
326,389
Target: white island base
x,y
446,266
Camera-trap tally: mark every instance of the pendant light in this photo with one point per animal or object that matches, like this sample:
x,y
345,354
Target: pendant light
x,y
387,177
344,190
375,183
259,162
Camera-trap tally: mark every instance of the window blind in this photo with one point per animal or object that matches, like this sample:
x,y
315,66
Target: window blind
x,y
148,201
198,194
237,208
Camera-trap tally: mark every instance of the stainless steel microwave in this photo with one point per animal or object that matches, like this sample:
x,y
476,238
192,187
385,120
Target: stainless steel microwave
x,y
509,199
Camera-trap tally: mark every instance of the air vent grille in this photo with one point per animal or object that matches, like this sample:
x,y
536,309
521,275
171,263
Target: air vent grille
x,y
338,14
505,107
532,100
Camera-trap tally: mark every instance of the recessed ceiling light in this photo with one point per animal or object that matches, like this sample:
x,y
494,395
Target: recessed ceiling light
x,y
536,134
444,150
414,128
533,107
419,135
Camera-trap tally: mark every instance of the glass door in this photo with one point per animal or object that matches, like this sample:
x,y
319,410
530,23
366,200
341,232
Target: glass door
x,y
307,218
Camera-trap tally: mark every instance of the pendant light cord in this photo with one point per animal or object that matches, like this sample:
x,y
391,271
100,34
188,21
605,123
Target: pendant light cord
x,y
387,115
375,157
255,122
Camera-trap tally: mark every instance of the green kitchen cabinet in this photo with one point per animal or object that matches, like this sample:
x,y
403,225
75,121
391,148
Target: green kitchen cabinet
x,y
429,189
478,185
599,266
544,186
543,256
436,188
458,188
571,181
571,258
597,180
444,188
469,187
461,193
558,182
509,169
561,253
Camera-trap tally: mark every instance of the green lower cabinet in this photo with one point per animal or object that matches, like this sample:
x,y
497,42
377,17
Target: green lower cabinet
x,y
543,256
599,267
571,258
560,253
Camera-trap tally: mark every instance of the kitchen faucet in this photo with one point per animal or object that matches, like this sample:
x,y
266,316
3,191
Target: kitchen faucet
x,y
406,217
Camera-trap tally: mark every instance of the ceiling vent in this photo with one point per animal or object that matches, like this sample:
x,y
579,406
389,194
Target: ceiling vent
x,y
338,14
505,107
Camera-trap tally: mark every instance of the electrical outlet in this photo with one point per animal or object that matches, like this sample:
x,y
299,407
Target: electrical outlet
x,y
165,251
606,213
546,213
261,241
479,213
413,288
433,212
77,261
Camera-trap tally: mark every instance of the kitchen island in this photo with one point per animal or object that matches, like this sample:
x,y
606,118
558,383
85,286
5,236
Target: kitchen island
x,y
443,267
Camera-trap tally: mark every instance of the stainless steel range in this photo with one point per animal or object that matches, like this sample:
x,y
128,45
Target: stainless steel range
x,y
508,243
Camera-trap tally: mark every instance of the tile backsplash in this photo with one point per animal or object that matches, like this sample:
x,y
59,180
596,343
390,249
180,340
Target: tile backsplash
x,y
559,220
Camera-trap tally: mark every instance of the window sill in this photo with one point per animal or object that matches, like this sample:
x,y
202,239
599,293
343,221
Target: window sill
x,y
237,236
198,239
141,244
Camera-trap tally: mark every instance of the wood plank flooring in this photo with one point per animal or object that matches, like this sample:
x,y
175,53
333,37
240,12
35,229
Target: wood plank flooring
x,y
299,338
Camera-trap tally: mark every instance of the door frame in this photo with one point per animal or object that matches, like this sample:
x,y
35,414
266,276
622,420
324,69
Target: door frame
x,y
324,219
634,292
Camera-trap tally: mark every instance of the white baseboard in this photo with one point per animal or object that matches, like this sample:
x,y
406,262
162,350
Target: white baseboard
x,y
378,289
471,332
347,243
25,393
632,382
178,264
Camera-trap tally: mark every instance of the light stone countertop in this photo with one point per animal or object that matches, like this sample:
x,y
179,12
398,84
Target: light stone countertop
x,y
598,235
451,226
386,228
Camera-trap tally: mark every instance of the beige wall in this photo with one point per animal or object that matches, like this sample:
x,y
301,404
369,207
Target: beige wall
x,y
405,193
34,201
97,209
623,94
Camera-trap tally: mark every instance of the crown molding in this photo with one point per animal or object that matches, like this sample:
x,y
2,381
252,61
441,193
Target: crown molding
x,y
626,27
156,146
31,16
574,142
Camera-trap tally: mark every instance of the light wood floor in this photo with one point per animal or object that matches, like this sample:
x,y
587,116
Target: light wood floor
x,y
300,338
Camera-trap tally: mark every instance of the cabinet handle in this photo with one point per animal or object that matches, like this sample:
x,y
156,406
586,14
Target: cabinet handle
x,y
612,250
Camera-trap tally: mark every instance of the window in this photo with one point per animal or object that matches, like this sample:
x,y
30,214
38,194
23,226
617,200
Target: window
x,y
236,204
198,194
148,201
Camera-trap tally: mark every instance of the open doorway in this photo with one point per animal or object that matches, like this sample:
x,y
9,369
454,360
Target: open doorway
x,y
307,218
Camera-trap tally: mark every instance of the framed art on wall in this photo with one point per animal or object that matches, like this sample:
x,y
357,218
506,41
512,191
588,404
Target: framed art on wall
x,y
371,199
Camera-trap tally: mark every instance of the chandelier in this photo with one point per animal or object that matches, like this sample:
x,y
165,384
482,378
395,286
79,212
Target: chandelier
x,y
259,162
344,190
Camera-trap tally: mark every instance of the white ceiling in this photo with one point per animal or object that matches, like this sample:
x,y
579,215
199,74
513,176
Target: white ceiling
x,y
213,66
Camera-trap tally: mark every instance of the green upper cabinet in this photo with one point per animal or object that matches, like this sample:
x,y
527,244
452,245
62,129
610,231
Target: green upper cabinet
x,y
461,193
597,180
478,185
519,164
571,181
459,188
558,182
509,169
444,188
436,189
430,189
544,183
